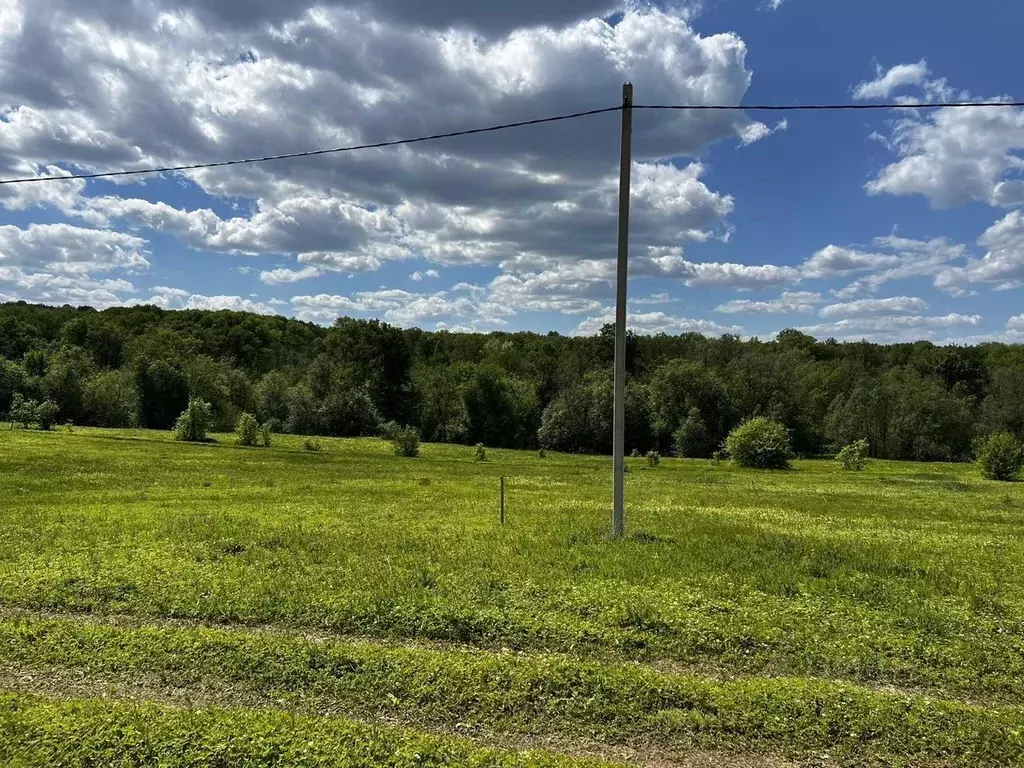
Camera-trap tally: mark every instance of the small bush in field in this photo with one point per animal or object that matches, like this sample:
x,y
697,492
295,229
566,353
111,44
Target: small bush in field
x,y
481,452
407,442
29,413
542,454
46,415
1000,457
854,457
760,444
266,435
390,430
194,423
248,430
312,445
653,459
635,454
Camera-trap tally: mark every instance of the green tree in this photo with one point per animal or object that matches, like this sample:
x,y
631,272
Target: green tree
x,y
679,386
111,400
163,393
64,382
12,381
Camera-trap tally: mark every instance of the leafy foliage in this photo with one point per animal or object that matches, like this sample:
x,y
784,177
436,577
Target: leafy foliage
x,y
406,441
312,445
760,443
140,366
194,422
653,459
265,435
481,452
693,439
30,413
1000,457
854,457
248,430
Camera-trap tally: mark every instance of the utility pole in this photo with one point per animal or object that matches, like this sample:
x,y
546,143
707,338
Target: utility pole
x,y
619,421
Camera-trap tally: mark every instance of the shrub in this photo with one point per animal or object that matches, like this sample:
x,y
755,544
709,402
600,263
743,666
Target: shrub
x,y
481,452
46,415
693,439
760,443
194,423
390,430
635,454
407,442
23,411
30,413
312,445
248,430
265,435
542,454
653,459
854,457
1000,456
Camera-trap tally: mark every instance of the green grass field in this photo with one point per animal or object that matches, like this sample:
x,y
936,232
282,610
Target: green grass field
x,y
168,604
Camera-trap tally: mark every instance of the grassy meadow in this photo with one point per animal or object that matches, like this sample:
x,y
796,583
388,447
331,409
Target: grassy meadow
x,y
170,604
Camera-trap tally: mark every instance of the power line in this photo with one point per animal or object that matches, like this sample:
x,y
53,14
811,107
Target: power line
x,y
522,124
314,152
825,107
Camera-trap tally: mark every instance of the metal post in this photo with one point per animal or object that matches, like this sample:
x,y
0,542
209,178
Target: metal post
x,y
619,421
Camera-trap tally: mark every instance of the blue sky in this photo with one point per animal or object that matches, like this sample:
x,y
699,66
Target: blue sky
x,y
888,225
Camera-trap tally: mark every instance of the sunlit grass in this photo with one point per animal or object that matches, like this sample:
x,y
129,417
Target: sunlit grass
x,y
904,575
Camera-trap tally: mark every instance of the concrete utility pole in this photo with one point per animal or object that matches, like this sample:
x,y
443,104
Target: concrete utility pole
x,y
619,421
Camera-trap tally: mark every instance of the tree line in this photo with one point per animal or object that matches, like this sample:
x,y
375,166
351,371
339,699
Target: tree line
x,y
140,366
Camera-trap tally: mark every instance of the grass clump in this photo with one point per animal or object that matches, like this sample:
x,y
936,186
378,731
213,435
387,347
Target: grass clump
x,y
406,441
854,457
312,445
192,426
760,444
481,452
1000,457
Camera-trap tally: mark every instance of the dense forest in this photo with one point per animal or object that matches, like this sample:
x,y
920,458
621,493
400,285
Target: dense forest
x,y
139,366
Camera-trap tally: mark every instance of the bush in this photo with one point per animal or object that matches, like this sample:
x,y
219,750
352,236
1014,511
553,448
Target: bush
x,y
23,411
1000,456
390,431
653,459
312,445
407,442
693,440
46,415
265,435
248,430
194,423
30,413
854,457
760,443
542,454
481,452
